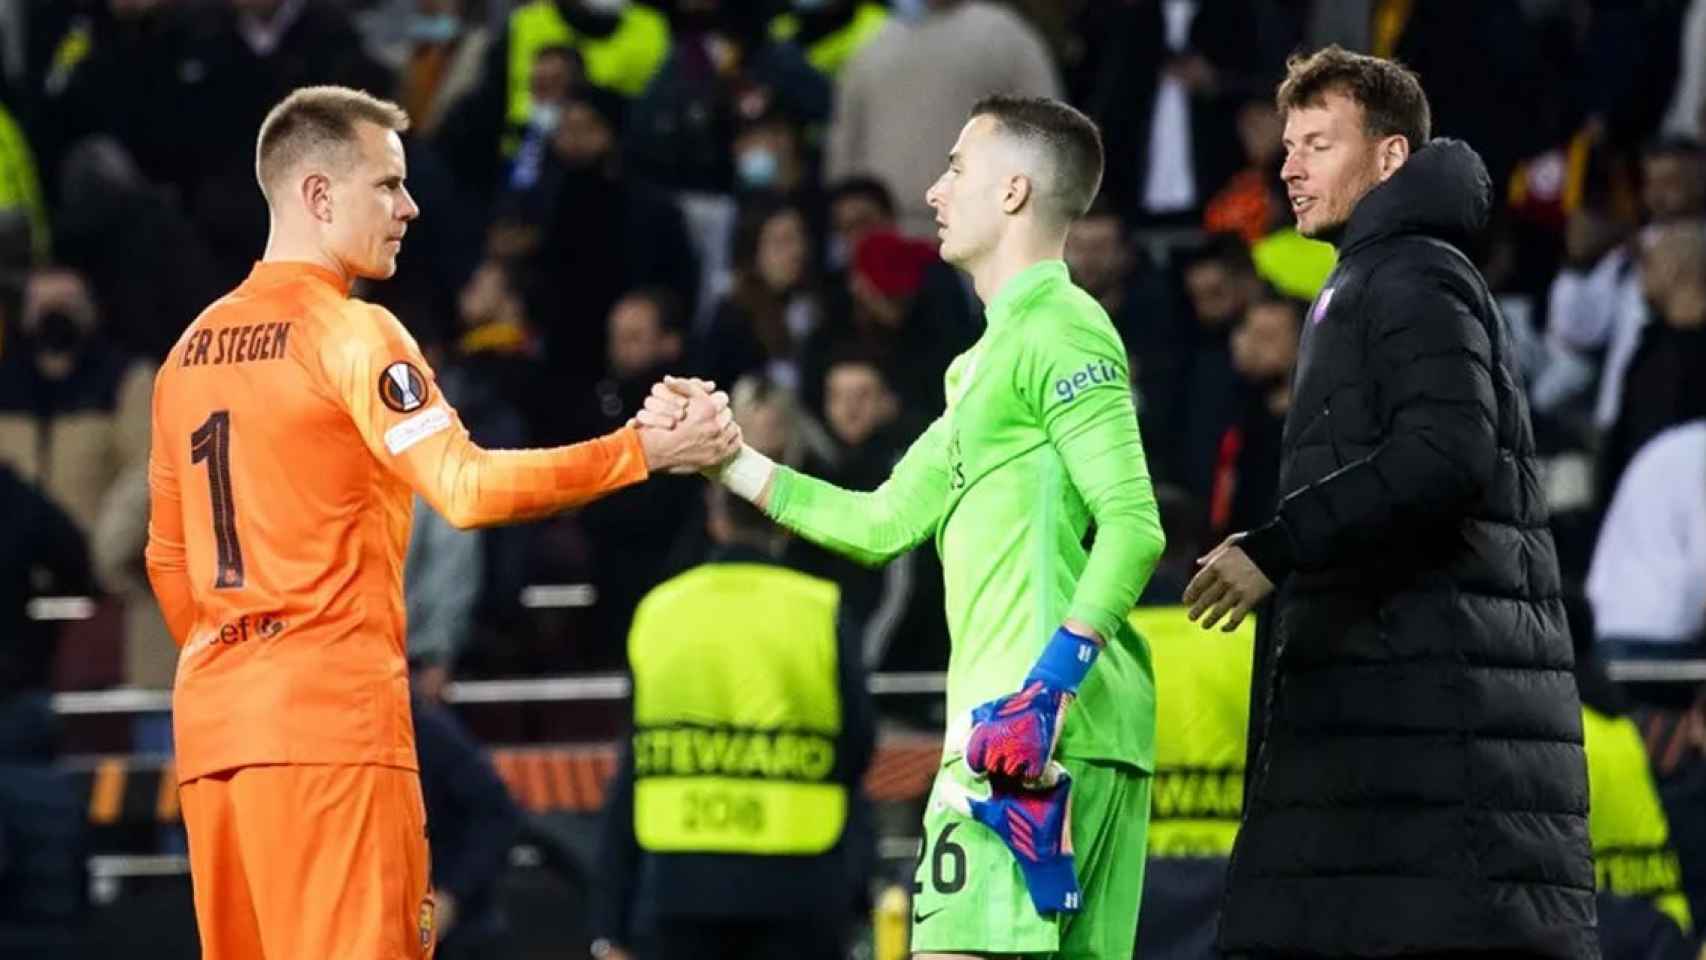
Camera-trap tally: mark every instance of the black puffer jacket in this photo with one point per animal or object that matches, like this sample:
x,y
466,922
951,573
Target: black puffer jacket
x,y
1421,785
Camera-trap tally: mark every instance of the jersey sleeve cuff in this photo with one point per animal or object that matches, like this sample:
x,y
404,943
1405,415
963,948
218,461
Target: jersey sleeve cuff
x,y
1106,623
1269,548
628,456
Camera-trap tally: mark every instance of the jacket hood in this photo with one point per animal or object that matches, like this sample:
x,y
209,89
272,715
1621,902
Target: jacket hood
x,y
1442,191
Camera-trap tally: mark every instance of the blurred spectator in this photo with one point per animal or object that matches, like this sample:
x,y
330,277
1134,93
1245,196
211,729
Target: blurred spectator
x,y
20,187
1246,472
768,155
42,818
1484,73
74,412
830,32
622,45
135,245
1202,395
774,306
959,51
632,531
474,823
616,49
43,836
1648,578
1252,203
491,372
42,553
681,875
1597,307
857,206
441,576
605,233
896,612
1103,260
150,653
1167,97
1687,109
154,77
1661,387
908,309
555,77
436,50
722,70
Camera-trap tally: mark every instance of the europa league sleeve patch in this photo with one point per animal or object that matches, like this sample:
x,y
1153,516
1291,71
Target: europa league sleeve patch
x,y
402,388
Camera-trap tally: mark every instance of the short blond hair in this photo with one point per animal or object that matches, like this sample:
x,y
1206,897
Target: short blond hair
x,y
314,121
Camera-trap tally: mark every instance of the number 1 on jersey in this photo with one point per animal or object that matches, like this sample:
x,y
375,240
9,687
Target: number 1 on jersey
x,y
212,442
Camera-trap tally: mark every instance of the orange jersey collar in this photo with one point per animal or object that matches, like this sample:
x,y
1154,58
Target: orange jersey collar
x,y
270,272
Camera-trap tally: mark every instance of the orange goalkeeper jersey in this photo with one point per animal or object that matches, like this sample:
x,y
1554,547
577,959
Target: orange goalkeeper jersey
x,y
291,425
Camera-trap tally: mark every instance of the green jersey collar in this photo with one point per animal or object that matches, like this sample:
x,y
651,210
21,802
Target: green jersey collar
x,y
1017,292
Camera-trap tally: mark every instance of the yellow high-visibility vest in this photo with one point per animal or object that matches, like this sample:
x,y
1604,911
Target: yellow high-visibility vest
x,y
737,713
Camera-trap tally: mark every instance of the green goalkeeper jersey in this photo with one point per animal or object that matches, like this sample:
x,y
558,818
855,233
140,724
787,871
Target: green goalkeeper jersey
x,y
1038,445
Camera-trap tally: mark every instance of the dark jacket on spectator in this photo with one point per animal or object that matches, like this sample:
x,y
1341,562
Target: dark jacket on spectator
x,y
473,820
36,535
74,437
1421,785
42,835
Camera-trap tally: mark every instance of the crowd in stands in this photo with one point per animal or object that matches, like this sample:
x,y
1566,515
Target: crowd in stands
x,y
735,190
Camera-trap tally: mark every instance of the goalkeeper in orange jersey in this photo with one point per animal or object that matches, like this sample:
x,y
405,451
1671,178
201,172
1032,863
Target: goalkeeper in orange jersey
x,y
292,423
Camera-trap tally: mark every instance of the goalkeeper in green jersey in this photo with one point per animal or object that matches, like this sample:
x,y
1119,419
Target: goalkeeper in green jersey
x,y
1035,831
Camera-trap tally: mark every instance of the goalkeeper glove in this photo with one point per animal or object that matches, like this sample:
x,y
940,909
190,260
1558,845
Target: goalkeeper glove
x,y
1014,736
1036,826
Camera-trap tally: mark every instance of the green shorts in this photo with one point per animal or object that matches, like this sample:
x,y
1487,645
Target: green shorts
x,y
969,896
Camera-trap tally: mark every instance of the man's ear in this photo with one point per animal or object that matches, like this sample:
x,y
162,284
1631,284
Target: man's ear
x,y
317,196
1394,152
1016,194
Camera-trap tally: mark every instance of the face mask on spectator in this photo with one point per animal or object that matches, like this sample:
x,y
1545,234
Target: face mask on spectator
x,y
757,168
544,117
836,253
58,332
434,28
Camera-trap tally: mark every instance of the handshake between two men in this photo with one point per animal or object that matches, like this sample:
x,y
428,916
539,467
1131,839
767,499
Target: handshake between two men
x,y
686,426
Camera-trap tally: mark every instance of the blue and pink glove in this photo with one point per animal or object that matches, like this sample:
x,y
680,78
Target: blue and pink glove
x,y
1036,825
1013,737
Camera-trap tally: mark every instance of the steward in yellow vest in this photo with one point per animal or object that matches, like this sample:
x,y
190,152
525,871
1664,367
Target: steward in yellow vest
x,y
734,826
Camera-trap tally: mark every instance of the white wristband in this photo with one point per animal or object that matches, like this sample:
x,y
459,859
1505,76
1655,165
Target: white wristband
x,y
747,474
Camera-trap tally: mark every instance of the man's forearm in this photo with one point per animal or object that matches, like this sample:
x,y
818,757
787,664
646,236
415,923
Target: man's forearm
x,y
478,488
872,528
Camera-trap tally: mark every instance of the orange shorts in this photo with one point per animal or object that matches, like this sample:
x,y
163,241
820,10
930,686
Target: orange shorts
x,y
293,862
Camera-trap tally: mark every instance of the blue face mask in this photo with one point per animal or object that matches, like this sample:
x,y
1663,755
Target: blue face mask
x,y
434,28
909,9
757,169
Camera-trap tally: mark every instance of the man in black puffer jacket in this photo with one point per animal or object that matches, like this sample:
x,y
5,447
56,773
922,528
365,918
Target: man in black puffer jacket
x,y
1420,786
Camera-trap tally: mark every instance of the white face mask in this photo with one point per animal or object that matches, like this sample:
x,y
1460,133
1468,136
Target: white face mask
x,y
544,117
